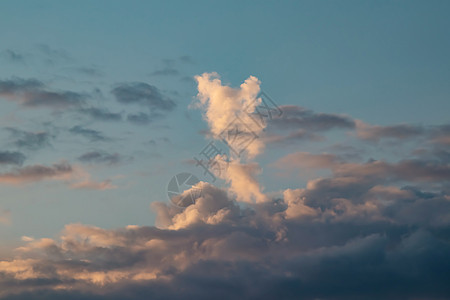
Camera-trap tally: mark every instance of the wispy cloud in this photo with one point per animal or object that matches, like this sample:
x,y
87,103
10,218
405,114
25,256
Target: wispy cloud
x,y
11,158
33,173
30,140
144,94
90,134
33,93
102,157
100,114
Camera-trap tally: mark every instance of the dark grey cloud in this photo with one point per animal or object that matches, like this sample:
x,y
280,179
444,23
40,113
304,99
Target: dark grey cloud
x,y
297,123
33,93
102,157
439,135
296,117
101,114
11,158
143,94
90,134
30,140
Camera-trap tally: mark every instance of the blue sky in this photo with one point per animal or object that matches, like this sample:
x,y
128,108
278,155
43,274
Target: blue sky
x,y
362,84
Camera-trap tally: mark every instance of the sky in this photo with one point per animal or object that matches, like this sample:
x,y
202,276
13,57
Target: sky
x,y
310,141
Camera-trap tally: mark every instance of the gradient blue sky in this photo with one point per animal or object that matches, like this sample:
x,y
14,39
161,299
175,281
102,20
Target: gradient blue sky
x,y
382,62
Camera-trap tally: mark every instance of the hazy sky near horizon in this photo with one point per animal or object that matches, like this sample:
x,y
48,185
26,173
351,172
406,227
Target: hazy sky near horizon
x,y
103,102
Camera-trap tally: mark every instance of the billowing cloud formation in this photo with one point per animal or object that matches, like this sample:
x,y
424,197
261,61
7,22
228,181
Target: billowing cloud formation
x,y
385,242
243,182
33,93
228,109
230,114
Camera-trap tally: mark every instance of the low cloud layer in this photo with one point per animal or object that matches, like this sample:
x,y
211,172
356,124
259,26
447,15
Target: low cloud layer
x,y
285,248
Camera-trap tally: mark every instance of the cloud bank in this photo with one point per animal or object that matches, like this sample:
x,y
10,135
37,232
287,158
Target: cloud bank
x,y
373,229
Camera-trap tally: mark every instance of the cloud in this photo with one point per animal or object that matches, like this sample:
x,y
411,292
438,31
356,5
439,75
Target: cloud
x,y
89,184
397,132
228,112
414,170
296,117
73,176
243,182
11,158
143,94
33,173
440,135
373,229
101,114
297,123
142,118
90,134
32,93
306,160
283,248
222,104
101,157
30,140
